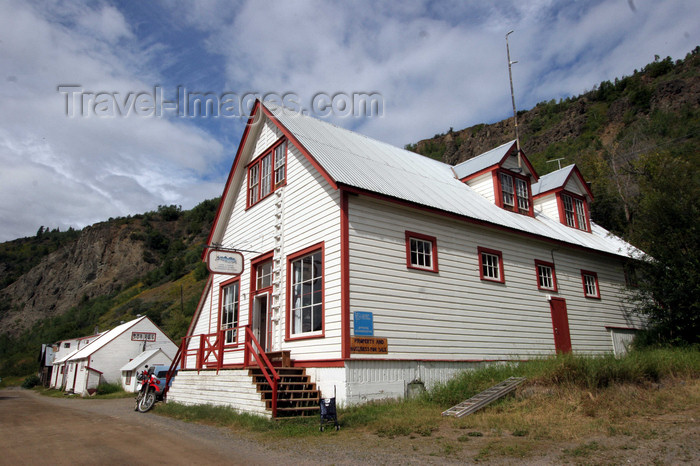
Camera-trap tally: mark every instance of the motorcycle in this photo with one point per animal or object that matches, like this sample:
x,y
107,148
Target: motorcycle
x,y
149,391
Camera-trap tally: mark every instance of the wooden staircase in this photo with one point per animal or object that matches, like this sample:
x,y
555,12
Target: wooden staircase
x,y
296,394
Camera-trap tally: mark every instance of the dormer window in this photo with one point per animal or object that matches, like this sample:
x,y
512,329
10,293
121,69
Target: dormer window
x,y
573,211
514,192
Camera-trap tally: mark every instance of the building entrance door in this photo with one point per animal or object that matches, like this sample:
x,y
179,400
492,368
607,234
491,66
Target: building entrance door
x,y
261,324
560,325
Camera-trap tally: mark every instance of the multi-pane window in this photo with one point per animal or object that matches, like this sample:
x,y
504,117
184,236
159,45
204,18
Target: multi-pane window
x,y
580,214
265,175
307,293
546,279
574,210
253,184
514,192
421,252
280,163
229,311
568,210
523,195
507,189
263,273
267,172
590,284
491,265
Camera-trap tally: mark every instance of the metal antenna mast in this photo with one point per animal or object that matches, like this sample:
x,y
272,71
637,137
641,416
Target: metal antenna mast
x,y
512,98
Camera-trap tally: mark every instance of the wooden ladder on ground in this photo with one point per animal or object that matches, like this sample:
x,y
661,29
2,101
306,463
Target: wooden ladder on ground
x,y
484,398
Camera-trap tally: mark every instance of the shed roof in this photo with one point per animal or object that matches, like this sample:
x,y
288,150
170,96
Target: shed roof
x,y
141,359
105,339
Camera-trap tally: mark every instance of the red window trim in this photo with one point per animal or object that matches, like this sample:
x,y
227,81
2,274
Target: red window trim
x,y
434,251
498,192
257,161
223,285
254,273
597,284
501,271
554,275
562,213
288,316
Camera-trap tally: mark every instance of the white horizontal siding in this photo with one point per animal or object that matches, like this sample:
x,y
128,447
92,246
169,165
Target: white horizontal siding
x,y
310,216
483,184
453,314
233,388
548,206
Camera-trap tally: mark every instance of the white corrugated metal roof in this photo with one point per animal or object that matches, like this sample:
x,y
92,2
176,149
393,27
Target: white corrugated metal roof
x,y
485,160
140,359
65,358
552,180
104,339
361,162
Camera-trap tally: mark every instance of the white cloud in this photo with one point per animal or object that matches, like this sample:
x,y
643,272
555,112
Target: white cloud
x,y
61,171
436,64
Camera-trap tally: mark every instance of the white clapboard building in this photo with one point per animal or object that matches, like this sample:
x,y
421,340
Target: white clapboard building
x,y
63,350
366,267
151,357
101,360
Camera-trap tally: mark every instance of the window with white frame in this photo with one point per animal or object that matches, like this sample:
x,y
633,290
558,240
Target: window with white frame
x,y
280,163
263,273
307,294
523,195
590,284
581,221
265,175
491,265
514,192
546,278
267,172
421,252
229,311
507,189
253,184
574,212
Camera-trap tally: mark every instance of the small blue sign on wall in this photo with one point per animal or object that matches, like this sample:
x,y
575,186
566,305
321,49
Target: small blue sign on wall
x,y
364,324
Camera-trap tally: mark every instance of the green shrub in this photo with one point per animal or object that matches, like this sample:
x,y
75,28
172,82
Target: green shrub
x,y
106,388
31,381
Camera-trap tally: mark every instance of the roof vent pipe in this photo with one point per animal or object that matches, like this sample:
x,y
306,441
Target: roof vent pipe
x,y
512,98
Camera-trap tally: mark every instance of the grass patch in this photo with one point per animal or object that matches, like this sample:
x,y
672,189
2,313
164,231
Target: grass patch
x,y
12,381
565,399
228,417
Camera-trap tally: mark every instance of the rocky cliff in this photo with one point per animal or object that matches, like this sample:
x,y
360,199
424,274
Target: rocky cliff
x,y
103,258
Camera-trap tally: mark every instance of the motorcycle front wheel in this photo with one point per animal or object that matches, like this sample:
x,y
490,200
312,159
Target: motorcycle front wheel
x,y
139,397
147,402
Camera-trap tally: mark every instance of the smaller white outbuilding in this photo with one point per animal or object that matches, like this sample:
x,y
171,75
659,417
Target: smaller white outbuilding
x,y
101,360
153,357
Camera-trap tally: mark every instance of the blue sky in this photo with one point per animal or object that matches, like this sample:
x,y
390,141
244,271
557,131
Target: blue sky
x,y
435,65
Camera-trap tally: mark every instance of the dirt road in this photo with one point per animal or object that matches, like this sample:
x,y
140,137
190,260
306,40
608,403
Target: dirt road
x,y
38,430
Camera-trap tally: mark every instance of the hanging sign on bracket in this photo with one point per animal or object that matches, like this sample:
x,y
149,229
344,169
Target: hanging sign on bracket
x,y
225,262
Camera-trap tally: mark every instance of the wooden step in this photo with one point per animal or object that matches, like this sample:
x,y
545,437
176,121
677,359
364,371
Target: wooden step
x,y
296,394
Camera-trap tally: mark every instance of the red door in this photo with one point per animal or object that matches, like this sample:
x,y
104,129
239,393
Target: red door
x,y
560,325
